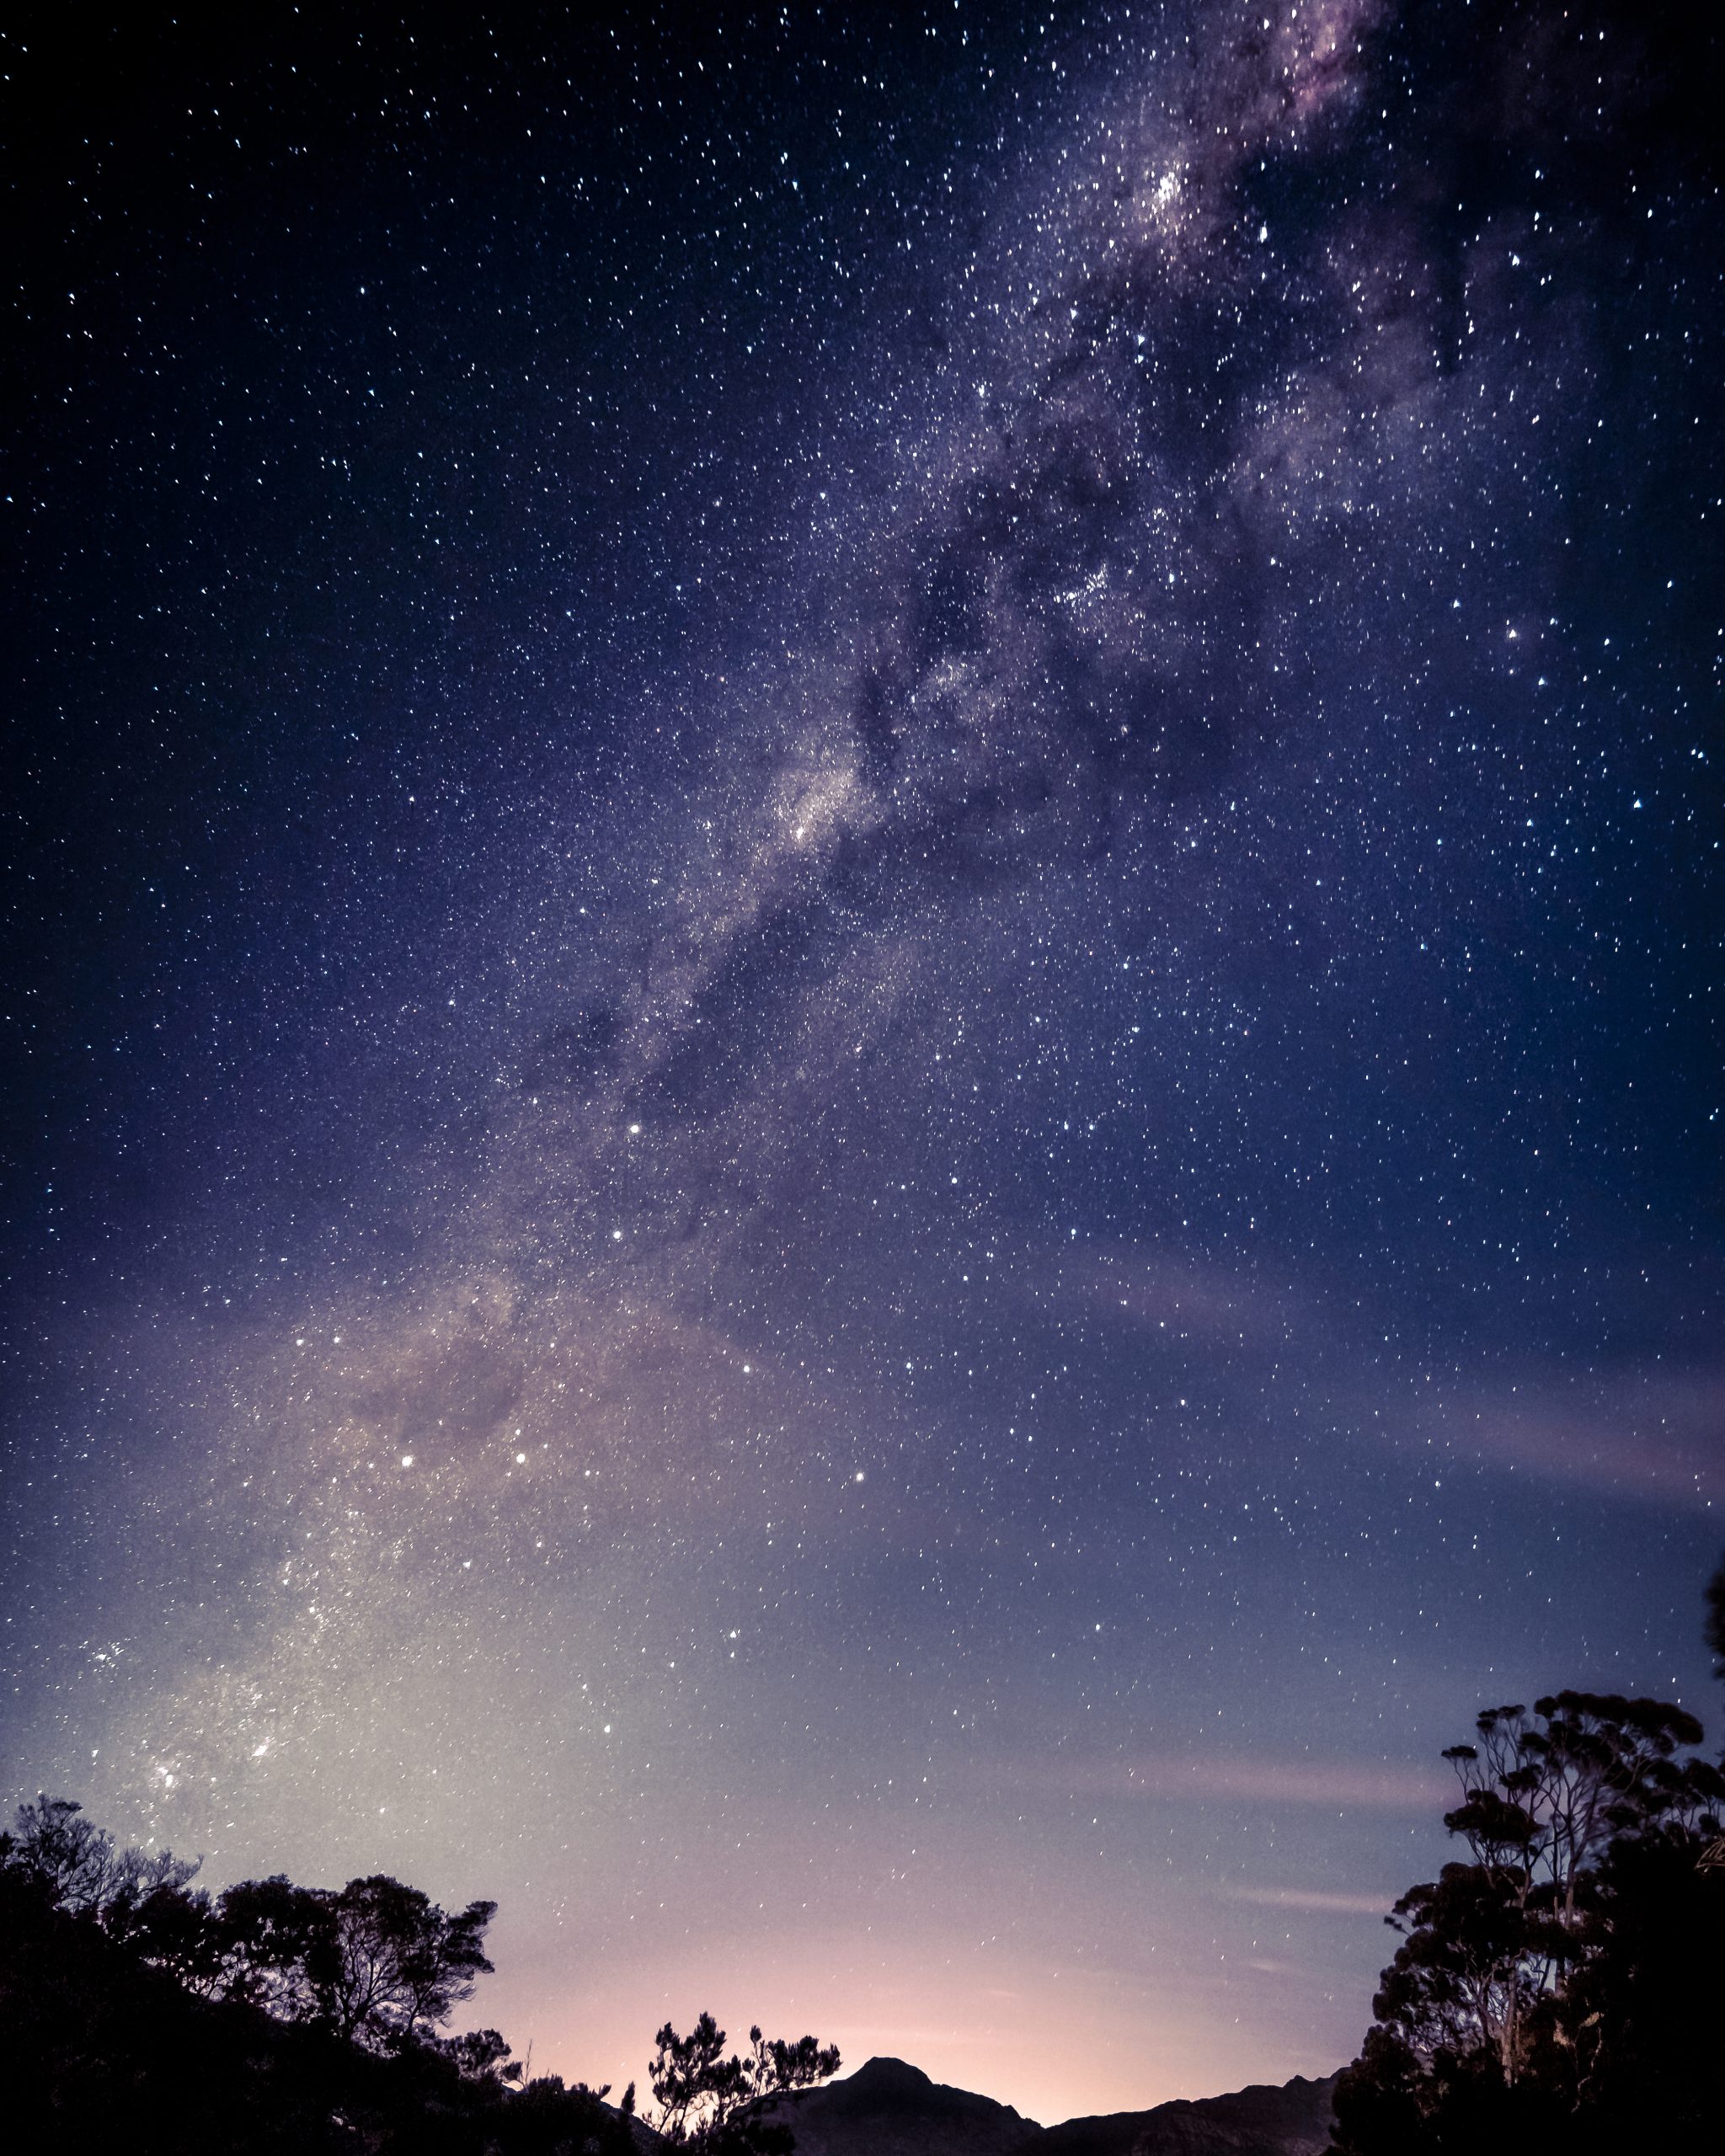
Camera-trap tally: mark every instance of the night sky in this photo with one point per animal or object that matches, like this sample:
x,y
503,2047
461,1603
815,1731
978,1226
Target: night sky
x,y
861,980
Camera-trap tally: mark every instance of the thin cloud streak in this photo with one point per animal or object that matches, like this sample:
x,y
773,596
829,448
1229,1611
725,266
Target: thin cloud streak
x,y
1314,1901
1241,1778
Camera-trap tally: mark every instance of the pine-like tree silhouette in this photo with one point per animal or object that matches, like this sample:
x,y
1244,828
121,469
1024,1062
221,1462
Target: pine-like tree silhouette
x,y
707,2101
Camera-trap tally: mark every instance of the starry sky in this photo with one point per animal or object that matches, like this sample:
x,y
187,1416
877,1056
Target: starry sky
x,y
861,980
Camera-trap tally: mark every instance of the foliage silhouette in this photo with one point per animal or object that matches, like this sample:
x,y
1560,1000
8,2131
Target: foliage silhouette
x,y
779,2068
707,2100
78,1863
384,1960
135,2011
1564,1988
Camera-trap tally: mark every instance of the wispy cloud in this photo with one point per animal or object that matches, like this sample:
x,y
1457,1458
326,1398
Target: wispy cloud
x,y
1244,1778
1659,1437
1185,1301
1315,1900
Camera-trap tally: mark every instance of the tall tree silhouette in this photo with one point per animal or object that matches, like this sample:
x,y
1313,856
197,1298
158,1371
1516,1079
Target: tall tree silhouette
x,y
1558,1984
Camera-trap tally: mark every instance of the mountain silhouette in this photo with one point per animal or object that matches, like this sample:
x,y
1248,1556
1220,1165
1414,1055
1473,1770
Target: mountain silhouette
x,y
888,2108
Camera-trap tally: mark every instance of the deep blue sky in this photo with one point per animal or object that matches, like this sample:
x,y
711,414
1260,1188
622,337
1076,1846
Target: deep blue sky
x,y
862,981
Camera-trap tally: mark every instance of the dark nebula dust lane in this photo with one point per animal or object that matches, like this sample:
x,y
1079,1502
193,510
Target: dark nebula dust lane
x,y
862,982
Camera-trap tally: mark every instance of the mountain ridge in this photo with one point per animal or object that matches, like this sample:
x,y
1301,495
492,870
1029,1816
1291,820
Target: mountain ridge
x,y
891,2108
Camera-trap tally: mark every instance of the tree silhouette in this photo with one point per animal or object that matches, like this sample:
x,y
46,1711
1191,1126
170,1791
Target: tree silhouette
x,y
1537,1985
705,2099
481,2055
385,1960
692,2082
267,1931
777,2067
377,1962
77,1864
275,2017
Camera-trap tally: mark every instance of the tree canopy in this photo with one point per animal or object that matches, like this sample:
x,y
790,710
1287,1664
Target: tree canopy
x,y
1563,1987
